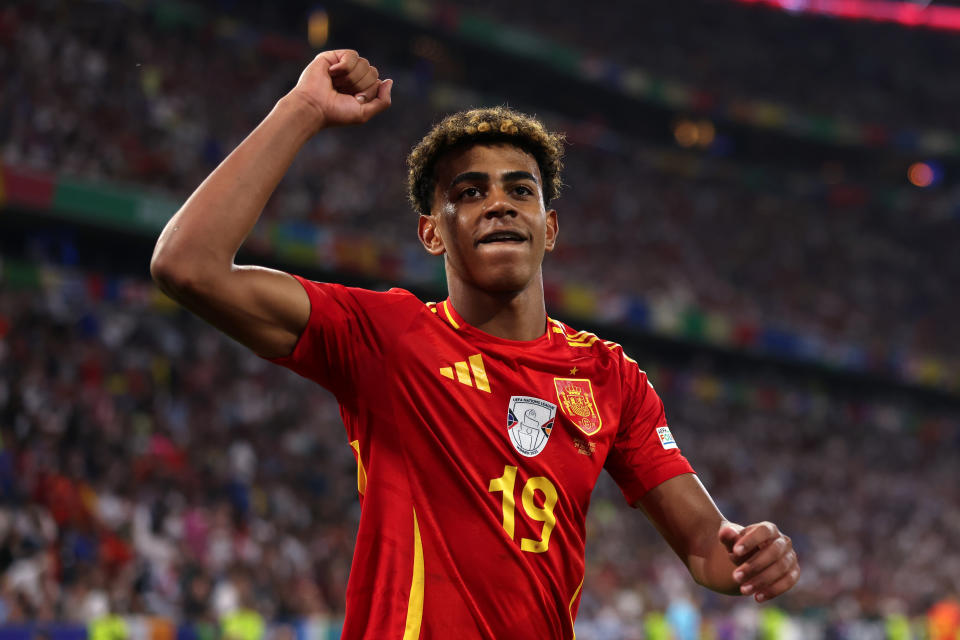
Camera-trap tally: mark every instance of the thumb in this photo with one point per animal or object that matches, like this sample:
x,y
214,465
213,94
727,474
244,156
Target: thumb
x,y
728,534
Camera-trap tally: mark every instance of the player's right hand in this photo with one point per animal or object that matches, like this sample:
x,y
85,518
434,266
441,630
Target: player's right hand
x,y
342,88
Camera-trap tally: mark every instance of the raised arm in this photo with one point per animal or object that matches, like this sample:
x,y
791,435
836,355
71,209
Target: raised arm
x,y
193,261
756,560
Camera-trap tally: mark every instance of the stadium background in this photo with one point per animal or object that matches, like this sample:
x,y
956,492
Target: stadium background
x,y
762,206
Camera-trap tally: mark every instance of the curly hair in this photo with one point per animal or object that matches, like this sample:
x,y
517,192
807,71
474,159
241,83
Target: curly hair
x,y
490,125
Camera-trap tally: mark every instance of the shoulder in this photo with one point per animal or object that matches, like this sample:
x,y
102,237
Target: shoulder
x,y
335,305
331,292
394,299
605,352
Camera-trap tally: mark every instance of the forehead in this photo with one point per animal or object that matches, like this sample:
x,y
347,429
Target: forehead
x,y
492,159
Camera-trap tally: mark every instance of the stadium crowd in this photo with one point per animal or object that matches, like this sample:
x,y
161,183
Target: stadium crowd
x,y
858,71
129,98
150,465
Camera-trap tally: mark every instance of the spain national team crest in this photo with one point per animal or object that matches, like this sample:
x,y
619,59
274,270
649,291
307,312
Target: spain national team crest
x,y
529,423
576,399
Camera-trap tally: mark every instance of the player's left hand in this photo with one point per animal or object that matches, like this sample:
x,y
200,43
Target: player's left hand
x,y
766,564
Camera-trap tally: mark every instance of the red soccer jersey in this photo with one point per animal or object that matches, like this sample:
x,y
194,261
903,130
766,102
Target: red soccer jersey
x,y
476,458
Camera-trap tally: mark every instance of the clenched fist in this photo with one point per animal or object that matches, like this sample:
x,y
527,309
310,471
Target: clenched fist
x,y
766,564
342,88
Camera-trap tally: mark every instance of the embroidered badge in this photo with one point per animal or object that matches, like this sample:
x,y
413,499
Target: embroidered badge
x,y
575,396
666,438
529,423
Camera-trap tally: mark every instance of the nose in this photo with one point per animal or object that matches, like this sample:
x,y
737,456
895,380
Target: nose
x,y
498,205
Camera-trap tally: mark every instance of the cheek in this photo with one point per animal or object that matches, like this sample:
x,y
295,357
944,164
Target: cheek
x,y
447,222
455,225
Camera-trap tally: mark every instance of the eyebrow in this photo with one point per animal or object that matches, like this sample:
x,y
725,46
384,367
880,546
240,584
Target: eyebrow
x,y
519,175
479,176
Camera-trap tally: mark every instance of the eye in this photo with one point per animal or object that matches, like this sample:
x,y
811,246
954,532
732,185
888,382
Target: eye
x,y
523,190
470,192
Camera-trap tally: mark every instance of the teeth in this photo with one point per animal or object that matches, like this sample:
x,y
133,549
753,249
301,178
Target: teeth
x,y
497,237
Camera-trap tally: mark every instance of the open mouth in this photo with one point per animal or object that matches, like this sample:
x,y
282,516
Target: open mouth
x,y
508,237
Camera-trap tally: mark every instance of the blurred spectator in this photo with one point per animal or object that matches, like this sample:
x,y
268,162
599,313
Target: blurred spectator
x,y
125,496
944,617
148,465
788,251
852,70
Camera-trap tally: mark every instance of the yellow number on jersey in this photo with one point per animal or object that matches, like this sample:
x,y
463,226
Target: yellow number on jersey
x,y
544,514
505,484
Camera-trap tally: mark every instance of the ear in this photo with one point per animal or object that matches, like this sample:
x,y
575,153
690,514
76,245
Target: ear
x,y
430,236
553,228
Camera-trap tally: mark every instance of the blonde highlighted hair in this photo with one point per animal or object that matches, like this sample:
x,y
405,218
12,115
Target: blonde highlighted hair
x,y
491,125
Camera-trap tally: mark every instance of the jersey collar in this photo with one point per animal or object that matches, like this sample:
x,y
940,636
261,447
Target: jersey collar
x,y
449,315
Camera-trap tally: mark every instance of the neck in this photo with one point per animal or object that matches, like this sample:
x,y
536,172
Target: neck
x,y
512,315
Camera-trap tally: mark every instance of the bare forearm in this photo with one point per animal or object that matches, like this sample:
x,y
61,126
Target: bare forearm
x,y
209,228
756,560
262,308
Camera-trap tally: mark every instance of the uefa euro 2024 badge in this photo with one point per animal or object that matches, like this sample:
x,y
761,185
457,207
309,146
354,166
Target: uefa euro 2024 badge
x,y
529,423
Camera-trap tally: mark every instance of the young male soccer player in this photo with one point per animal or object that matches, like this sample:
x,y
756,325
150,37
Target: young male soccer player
x,y
480,425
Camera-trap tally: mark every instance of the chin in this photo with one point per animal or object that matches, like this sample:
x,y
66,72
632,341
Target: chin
x,y
505,280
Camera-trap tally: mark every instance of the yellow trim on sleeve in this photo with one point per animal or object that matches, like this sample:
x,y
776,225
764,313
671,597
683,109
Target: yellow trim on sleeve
x,y
361,472
446,310
411,630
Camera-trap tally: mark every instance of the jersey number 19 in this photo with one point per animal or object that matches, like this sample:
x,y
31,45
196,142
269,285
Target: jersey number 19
x,y
544,514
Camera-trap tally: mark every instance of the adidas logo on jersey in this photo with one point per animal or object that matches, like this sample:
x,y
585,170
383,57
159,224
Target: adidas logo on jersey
x,y
460,371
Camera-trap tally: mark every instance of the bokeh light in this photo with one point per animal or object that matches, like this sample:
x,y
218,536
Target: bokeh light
x,y
690,133
921,174
318,28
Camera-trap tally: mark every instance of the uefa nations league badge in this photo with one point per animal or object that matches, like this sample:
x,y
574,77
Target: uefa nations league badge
x,y
529,423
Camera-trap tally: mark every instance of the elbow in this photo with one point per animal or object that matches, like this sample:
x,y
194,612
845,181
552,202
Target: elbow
x,y
165,272
186,273
176,277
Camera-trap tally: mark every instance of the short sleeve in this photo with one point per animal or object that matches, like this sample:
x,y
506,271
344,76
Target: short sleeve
x,y
347,335
644,453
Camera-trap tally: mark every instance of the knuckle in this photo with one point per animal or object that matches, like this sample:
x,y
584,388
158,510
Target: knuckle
x,y
784,563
